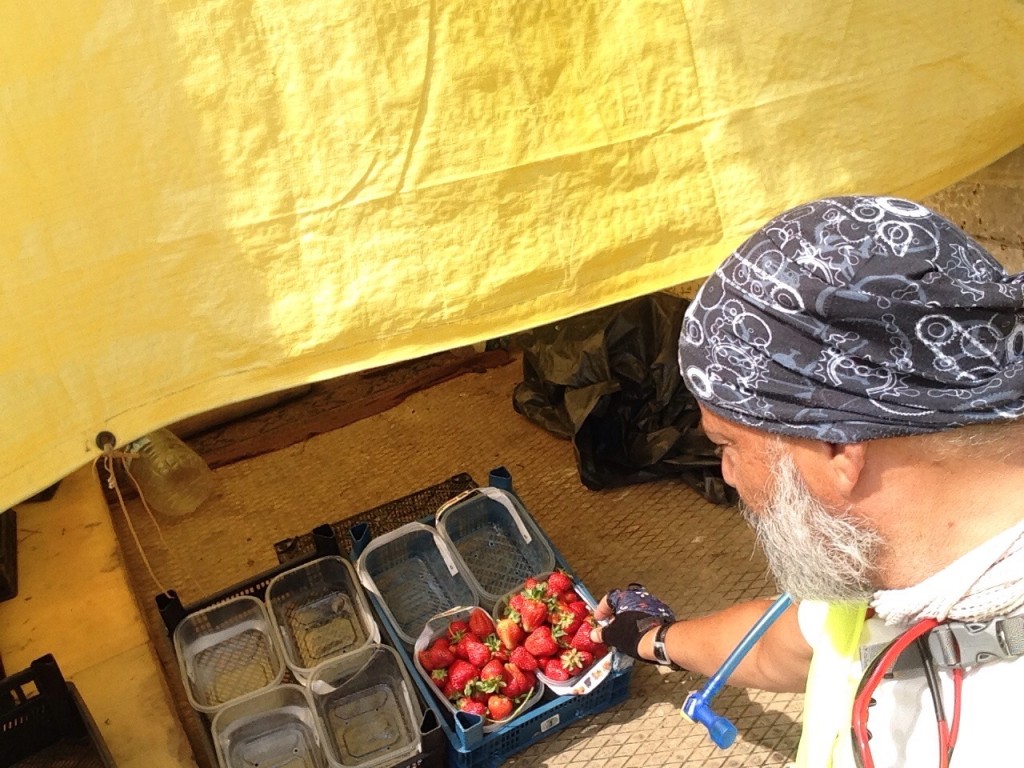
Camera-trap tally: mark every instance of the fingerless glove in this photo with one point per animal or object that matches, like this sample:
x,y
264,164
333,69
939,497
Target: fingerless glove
x,y
636,612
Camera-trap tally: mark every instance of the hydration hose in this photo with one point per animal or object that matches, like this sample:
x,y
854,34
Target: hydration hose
x,y
697,707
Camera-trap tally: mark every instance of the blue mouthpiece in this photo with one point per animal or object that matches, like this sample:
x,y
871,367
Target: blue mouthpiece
x,y
697,706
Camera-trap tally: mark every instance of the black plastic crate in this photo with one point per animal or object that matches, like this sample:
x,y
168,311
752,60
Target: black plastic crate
x,y
384,517
320,542
44,722
8,555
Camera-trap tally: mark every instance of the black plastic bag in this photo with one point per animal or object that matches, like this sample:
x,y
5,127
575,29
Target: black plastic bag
x,y
609,381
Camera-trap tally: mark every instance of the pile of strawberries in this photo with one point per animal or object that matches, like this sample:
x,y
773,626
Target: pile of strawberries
x,y
548,625
469,666
490,669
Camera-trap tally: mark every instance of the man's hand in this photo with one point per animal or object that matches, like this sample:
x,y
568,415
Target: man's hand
x,y
632,613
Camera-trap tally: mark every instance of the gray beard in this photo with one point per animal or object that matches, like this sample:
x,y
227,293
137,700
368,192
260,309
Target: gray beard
x,y
814,553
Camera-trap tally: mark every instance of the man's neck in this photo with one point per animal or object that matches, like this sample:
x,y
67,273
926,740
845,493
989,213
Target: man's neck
x,y
930,512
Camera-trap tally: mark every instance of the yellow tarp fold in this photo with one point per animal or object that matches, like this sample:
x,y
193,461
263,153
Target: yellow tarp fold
x,y
208,200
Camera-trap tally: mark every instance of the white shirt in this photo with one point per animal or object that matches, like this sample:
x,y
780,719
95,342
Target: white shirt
x,y
902,720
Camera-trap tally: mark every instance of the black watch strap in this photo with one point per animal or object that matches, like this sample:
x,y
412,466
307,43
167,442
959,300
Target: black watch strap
x,y
660,653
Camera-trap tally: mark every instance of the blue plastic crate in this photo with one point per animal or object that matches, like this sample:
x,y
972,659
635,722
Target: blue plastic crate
x,y
468,745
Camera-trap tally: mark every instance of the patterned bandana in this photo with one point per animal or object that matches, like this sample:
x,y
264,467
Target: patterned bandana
x,y
855,318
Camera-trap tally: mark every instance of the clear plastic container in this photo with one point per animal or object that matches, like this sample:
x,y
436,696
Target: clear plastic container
x,y
227,651
366,708
275,727
496,542
174,479
414,574
320,611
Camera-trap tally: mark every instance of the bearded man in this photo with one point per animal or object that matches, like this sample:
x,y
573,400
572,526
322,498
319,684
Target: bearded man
x,y
859,361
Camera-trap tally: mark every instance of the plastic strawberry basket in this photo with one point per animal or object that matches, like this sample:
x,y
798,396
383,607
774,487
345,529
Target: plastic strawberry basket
x,y
469,746
496,541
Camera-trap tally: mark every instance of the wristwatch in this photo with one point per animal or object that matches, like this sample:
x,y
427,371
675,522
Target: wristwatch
x,y
660,654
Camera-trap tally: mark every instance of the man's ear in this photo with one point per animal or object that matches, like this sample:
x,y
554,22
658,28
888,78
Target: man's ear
x,y
846,465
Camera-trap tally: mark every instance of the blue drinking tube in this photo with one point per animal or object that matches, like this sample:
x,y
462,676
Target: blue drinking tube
x,y
697,707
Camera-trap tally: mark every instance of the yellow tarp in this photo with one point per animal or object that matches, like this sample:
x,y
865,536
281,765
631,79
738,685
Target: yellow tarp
x,y
208,200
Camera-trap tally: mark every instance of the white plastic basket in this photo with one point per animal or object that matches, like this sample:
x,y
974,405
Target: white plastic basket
x,y
319,611
276,726
413,573
495,540
227,651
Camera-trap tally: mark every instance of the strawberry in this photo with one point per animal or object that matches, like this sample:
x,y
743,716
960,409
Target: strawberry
x,y
554,669
530,678
510,633
450,691
567,623
530,583
559,582
456,630
571,616
523,659
472,706
499,706
476,652
461,674
515,603
492,670
425,661
534,614
581,640
540,643
480,624
579,609
479,692
440,678
572,661
438,655
516,681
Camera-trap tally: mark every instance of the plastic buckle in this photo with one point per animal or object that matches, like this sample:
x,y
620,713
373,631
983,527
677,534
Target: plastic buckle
x,y
961,644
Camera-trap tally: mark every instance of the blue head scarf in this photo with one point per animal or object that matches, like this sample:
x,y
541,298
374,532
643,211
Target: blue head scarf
x,y
855,318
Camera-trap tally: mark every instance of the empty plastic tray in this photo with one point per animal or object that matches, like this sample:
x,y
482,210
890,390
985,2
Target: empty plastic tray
x,y
413,572
320,611
496,542
367,708
275,727
227,651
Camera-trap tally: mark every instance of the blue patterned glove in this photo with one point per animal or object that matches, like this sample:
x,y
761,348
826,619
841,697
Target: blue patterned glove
x,y
636,612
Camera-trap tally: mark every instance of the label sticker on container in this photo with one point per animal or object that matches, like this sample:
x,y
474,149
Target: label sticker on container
x,y
452,569
549,723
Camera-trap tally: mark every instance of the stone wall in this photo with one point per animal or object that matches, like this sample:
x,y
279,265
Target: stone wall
x,y
989,205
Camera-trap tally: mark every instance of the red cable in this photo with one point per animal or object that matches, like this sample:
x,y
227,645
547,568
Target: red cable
x,y
863,699
954,728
